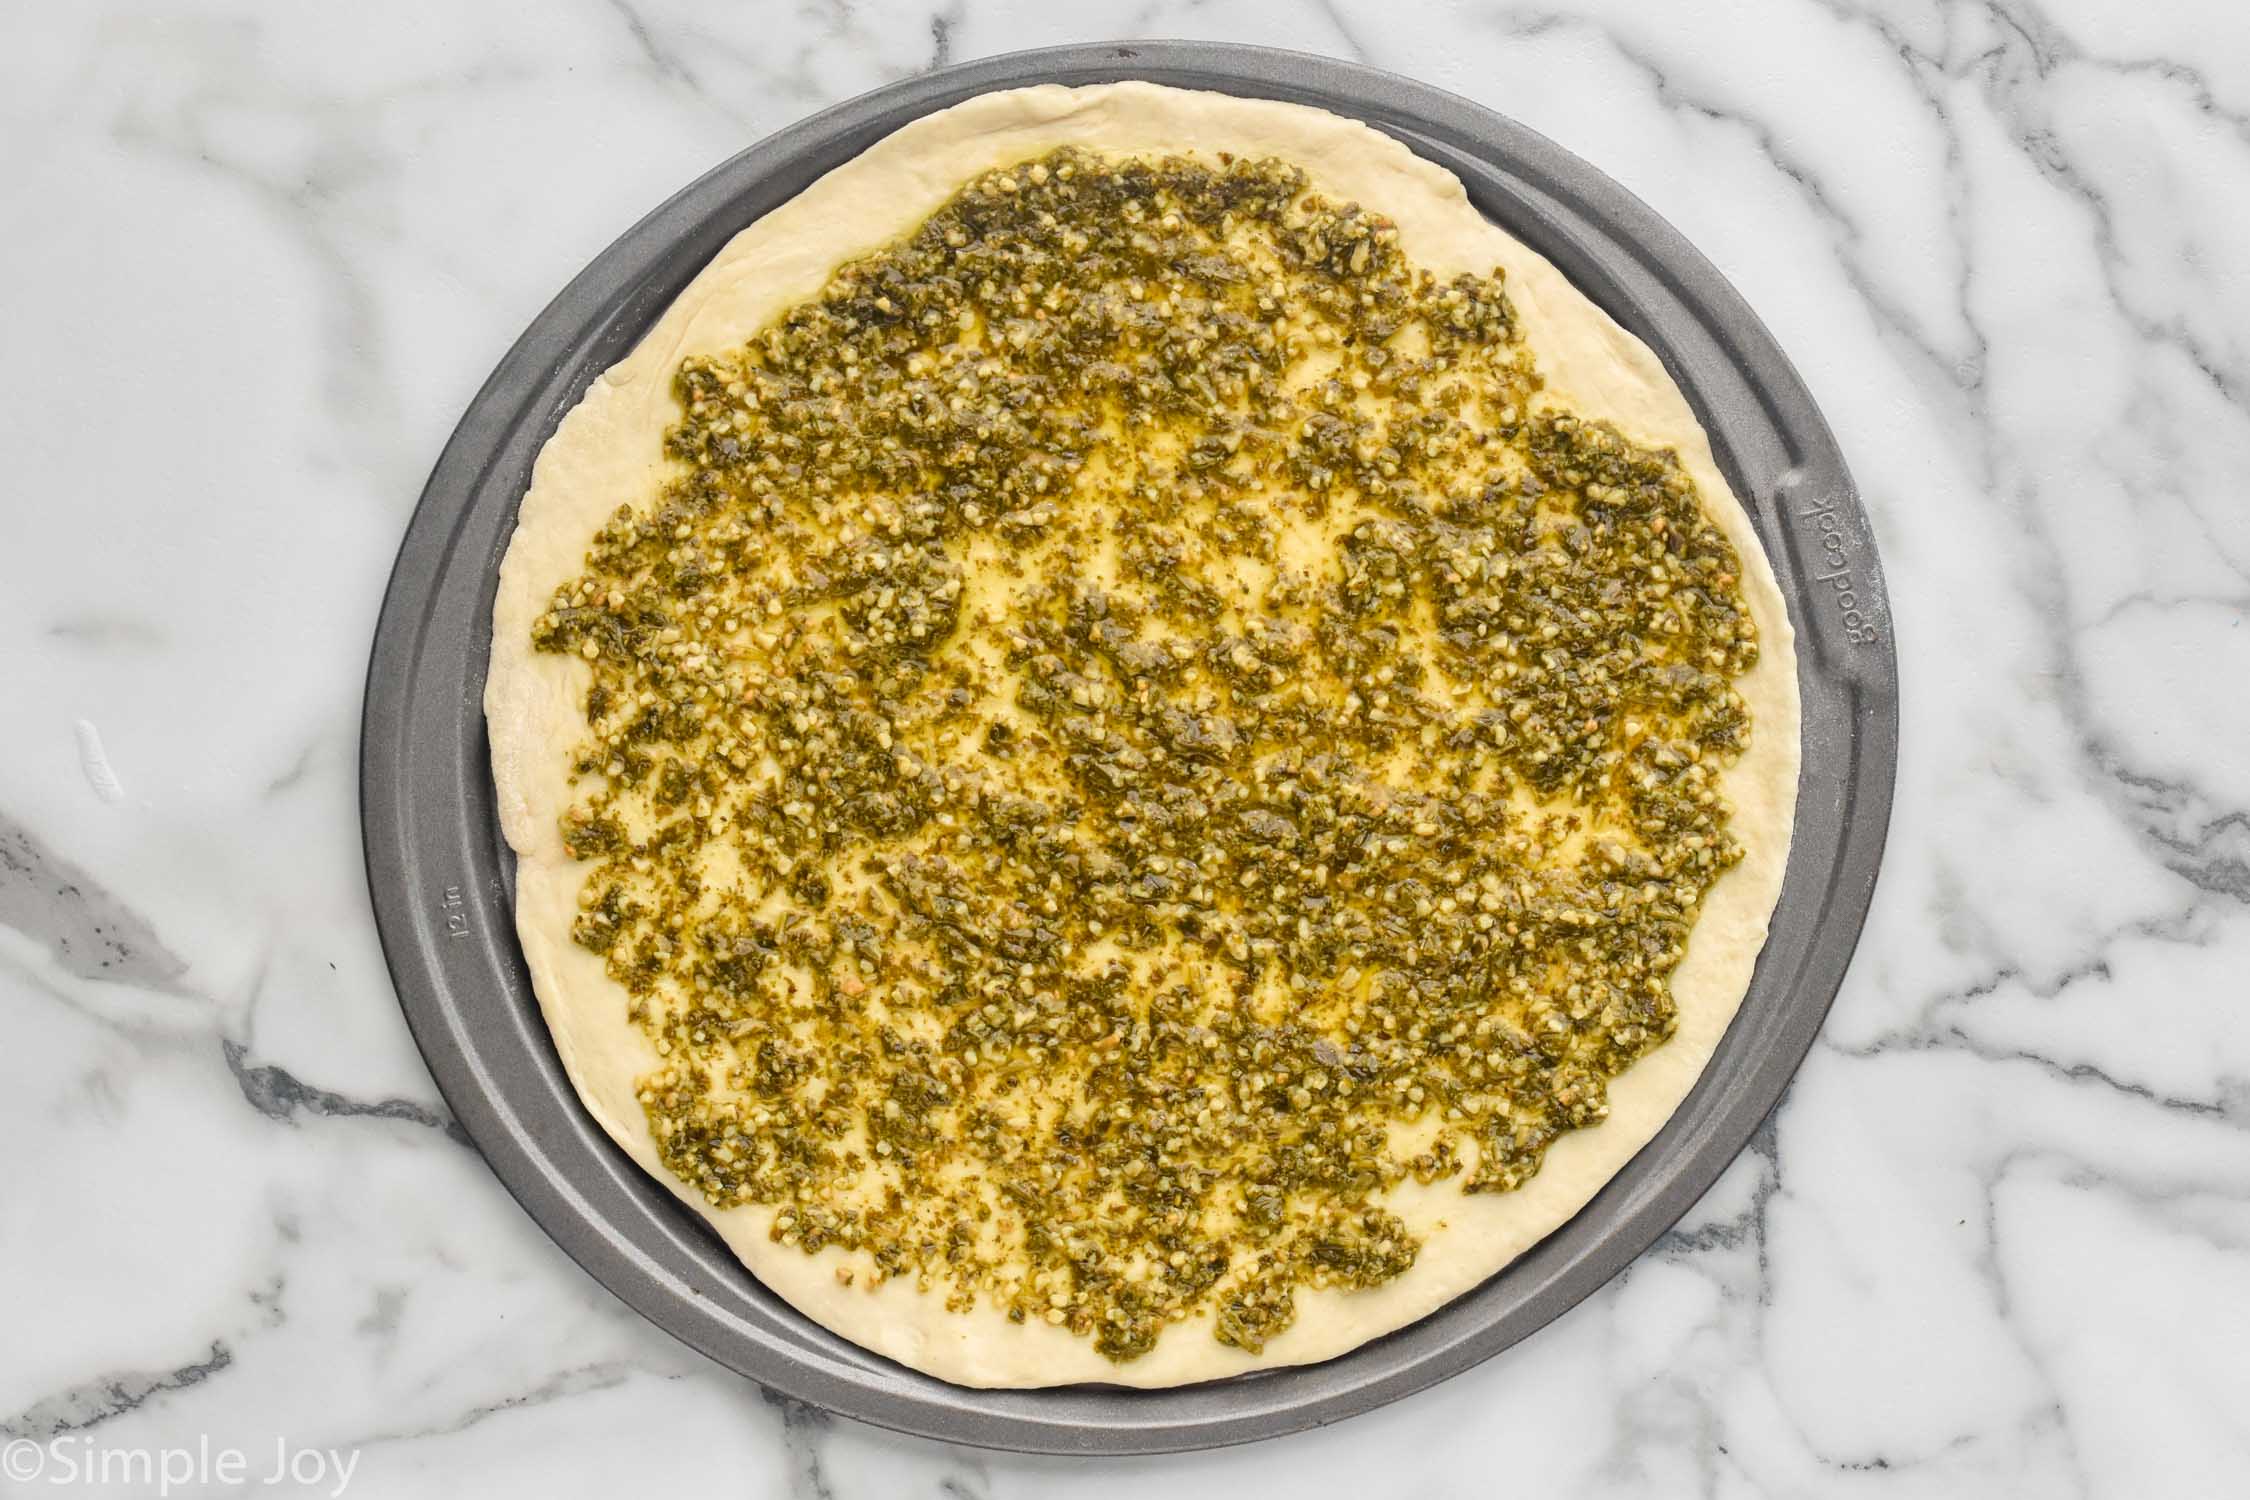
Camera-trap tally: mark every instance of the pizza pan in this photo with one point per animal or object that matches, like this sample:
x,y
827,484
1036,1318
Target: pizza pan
x,y
441,876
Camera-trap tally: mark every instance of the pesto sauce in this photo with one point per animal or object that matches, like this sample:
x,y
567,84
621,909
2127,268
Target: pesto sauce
x,y
1133,732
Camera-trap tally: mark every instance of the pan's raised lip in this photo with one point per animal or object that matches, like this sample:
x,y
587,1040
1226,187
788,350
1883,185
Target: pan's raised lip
x,y
438,873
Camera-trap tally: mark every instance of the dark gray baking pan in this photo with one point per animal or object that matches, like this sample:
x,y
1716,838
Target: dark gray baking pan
x,y
441,877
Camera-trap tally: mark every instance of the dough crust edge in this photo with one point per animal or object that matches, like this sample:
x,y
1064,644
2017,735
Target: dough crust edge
x,y
606,452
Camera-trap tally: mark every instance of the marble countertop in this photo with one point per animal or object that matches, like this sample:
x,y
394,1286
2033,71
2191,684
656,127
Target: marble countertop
x,y
258,257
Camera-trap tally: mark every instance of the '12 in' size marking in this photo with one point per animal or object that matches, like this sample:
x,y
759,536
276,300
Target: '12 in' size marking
x,y
456,913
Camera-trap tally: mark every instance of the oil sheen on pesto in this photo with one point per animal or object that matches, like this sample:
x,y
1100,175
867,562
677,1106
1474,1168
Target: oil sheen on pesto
x,y
1133,731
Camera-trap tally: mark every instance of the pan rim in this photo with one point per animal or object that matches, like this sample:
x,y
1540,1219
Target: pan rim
x,y
439,881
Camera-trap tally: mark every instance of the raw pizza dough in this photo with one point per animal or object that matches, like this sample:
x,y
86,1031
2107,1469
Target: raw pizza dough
x,y
607,451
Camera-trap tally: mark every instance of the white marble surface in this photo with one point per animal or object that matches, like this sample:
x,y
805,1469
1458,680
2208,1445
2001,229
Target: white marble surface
x,y
256,259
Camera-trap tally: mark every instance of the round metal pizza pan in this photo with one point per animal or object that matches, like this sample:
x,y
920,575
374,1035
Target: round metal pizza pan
x,y
441,877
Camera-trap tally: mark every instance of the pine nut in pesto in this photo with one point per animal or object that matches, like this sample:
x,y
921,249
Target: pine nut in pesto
x,y
1135,730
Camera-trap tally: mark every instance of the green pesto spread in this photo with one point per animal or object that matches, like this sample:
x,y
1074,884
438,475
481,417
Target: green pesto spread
x,y
1135,729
